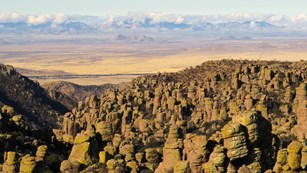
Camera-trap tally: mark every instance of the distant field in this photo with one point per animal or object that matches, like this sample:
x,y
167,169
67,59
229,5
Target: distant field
x,y
124,58
99,80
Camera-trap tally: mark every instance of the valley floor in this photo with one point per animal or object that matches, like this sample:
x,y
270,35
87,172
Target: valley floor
x,y
139,58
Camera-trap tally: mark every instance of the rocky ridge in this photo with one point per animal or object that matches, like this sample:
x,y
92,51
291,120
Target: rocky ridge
x,y
220,116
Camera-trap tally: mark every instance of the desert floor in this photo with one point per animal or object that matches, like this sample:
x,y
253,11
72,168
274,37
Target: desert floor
x,y
123,58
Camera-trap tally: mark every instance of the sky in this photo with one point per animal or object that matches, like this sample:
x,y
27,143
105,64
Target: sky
x,y
122,7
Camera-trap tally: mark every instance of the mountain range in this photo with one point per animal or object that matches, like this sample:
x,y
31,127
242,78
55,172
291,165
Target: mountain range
x,y
82,28
150,22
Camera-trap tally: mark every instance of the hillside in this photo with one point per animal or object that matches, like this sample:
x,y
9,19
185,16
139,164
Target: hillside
x,y
27,115
70,94
28,98
220,116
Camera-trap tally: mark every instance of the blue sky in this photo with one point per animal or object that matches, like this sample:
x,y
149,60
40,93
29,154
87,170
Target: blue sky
x,y
122,7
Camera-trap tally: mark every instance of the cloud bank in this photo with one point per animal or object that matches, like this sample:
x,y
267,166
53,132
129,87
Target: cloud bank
x,y
157,17
157,21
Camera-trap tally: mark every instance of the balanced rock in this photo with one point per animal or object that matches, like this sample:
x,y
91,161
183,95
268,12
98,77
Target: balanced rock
x,y
249,119
234,136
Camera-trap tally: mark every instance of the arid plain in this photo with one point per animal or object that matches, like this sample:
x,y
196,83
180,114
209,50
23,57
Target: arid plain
x,y
118,61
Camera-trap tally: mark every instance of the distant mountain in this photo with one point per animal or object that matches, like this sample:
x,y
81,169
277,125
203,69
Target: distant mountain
x,y
247,26
156,22
136,38
259,24
204,26
231,37
47,28
83,28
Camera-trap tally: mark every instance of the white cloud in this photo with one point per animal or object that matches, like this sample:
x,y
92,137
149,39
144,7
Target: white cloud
x,y
242,17
179,20
155,17
12,17
33,19
300,18
275,19
60,18
134,19
37,20
110,19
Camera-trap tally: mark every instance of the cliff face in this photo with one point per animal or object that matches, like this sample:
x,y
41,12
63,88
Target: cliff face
x,y
221,116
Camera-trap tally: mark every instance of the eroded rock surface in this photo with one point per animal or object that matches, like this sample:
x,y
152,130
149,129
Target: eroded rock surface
x,y
220,116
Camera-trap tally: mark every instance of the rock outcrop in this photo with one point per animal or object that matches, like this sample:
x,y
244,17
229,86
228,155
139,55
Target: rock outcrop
x,y
234,136
10,164
172,152
85,149
195,150
221,116
27,164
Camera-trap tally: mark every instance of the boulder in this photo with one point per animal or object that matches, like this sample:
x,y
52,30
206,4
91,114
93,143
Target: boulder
x,y
234,135
68,166
152,155
10,164
182,167
195,150
41,153
84,150
249,119
304,158
105,130
217,160
27,164
294,155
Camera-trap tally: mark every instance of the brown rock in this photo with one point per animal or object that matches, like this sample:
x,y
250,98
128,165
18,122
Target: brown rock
x,y
195,150
10,164
84,150
234,137
294,155
27,164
